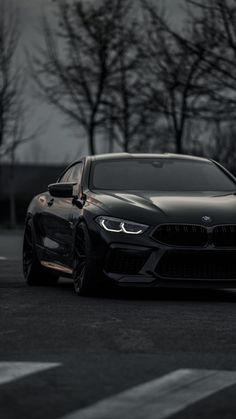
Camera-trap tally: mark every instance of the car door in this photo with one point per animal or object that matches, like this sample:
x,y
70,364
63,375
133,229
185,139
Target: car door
x,y
56,222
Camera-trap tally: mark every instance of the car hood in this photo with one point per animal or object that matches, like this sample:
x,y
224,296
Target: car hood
x,y
182,207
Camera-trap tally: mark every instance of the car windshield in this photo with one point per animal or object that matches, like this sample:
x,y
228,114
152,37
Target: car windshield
x,y
159,174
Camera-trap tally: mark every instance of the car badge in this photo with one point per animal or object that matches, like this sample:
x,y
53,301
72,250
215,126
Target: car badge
x,y
206,219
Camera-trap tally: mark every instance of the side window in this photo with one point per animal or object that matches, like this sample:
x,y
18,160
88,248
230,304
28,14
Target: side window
x,y
73,174
76,173
66,176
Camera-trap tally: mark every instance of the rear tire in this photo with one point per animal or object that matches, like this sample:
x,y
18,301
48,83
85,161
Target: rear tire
x,y
87,273
34,272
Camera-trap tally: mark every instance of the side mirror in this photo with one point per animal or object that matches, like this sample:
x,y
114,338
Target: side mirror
x,y
79,203
63,190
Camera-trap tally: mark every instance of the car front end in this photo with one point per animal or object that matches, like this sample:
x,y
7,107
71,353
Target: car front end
x,y
162,220
166,254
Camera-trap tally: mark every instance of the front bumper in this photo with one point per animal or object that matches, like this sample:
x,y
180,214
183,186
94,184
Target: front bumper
x,y
141,261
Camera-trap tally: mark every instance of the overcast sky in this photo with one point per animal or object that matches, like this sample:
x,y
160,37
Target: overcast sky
x,y
57,143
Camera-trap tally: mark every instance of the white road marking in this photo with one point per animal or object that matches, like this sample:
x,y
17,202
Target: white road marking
x,y
10,371
160,398
3,258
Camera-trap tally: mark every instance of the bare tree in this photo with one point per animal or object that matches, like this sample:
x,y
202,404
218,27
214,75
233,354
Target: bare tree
x,y
13,108
176,71
9,74
129,113
214,25
217,142
216,21
77,69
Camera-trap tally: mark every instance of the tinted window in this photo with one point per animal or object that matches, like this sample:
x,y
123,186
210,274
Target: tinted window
x,y
66,175
159,175
73,174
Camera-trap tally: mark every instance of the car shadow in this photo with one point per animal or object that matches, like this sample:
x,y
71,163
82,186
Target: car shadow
x,y
172,294
158,294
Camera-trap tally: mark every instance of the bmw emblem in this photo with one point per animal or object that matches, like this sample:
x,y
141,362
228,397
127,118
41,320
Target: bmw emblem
x,y
206,219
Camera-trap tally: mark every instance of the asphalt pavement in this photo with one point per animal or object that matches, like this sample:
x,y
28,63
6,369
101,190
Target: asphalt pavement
x,y
11,244
130,354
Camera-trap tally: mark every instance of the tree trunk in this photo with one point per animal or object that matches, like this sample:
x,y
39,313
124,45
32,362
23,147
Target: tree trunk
x,y
111,137
111,133
126,133
91,139
178,142
12,198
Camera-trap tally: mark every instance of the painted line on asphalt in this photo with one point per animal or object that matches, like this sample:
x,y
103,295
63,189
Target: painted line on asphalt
x,y
3,258
11,371
160,398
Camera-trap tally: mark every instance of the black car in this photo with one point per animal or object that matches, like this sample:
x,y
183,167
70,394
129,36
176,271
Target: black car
x,y
134,220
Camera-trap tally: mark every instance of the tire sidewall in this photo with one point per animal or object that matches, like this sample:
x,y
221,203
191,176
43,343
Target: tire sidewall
x,y
37,274
92,274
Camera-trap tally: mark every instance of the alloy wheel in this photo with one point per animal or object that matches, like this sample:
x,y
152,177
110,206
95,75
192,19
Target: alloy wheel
x,y
27,250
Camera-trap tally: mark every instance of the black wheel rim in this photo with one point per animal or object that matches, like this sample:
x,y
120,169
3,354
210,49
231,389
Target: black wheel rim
x,y
79,260
27,251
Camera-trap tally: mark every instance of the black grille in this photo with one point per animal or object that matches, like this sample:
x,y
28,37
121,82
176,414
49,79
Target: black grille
x,y
125,261
198,265
181,235
224,236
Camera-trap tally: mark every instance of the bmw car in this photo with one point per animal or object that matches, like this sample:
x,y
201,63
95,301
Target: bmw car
x,y
136,220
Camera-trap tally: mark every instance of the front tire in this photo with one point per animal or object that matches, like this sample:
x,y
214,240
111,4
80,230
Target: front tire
x,y
34,272
87,274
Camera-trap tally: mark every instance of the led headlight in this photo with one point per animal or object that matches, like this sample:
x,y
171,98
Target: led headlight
x,y
116,225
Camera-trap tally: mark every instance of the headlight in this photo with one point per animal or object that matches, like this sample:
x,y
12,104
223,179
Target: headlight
x,y
116,225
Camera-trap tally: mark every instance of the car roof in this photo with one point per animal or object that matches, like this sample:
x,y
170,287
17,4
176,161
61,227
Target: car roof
x,y
114,156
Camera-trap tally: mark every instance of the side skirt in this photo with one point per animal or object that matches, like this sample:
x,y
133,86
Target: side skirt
x,y
57,267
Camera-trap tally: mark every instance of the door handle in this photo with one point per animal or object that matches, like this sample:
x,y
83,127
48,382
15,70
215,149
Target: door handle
x,y
50,203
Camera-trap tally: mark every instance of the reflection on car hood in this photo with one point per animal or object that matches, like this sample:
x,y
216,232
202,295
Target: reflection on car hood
x,y
177,207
